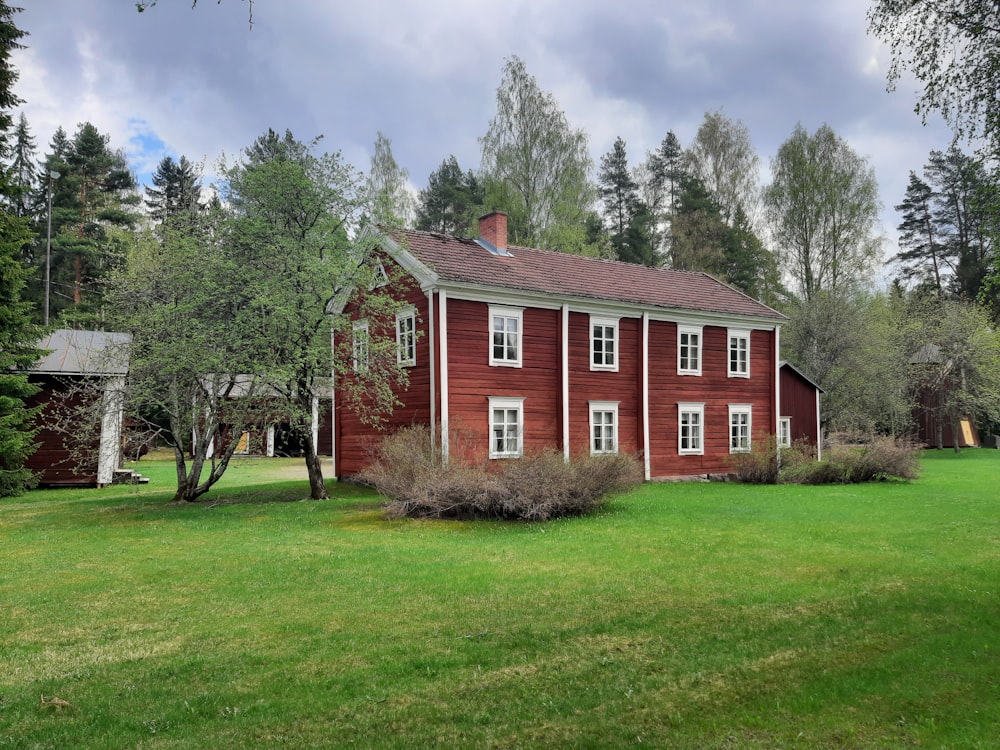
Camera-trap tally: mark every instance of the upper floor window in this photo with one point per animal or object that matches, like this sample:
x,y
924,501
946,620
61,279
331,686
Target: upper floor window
x,y
688,350
739,428
603,427
359,344
690,428
506,427
505,336
379,278
604,344
739,354
406,337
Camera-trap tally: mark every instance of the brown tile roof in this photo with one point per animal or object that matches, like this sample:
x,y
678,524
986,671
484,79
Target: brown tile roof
x,y
465,261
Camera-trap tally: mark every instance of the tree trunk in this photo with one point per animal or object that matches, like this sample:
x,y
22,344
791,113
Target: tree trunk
x,y
317,487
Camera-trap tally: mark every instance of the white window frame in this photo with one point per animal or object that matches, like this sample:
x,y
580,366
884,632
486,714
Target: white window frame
x,y
507,314
739,342
379,278
697,447
609,361
406,340
684,364
507,405
740,427
785,432
360,343
599,411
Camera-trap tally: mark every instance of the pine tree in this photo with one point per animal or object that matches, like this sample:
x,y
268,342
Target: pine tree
x,y
94,199
922,255
451,202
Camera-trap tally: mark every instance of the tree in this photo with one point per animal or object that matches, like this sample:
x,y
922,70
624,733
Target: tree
x,y
535,167
958,362
194,375
23,177
17,334
659,179
823,210
698,230
953,48
922,255
724,160
94,203
176,189
451,202
389,199
962,213
293,214
629,221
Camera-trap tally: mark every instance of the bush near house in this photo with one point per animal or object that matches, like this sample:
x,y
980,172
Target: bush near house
x,y
874,459
537,487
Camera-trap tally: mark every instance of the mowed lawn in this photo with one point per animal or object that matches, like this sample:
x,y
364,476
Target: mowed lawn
x,y
682,616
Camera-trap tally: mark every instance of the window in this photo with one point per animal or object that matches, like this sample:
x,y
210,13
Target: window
x,y
505,336
688,351
603,427
406,338
739,428
690,425
360,346
785,432
506,427
739,354
379,278
604,344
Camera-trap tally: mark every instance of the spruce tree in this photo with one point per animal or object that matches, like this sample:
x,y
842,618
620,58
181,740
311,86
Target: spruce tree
x,y
17,334
176,189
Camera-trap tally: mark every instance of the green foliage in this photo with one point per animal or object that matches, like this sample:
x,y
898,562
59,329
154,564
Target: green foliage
x,y
535,167
389,201
538,487
176,189
452,201
823,209
950,46
94,209
723,159
17,334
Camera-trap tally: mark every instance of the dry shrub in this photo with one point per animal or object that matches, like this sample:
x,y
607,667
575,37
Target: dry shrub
x,y
877,460
760,464
537,487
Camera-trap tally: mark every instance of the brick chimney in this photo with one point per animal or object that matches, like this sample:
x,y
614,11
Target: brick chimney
x,y
493,229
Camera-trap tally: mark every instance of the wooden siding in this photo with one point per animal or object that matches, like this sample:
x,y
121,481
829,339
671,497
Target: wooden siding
x,y
355,440
57,461
472,380
623,386
713,388
798,401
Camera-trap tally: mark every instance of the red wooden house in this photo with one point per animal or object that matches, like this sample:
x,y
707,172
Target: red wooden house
x,y
510,349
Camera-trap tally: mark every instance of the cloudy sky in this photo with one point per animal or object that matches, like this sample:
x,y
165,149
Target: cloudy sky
x,y
203,83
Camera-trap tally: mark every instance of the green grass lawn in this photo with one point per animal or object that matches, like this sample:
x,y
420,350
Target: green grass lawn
x,y
682,616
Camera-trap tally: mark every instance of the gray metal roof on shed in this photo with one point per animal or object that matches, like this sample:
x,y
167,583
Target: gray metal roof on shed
x,y
73,352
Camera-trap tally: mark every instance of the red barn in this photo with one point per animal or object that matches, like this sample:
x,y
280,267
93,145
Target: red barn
x,y
514,348
800,414
80,426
